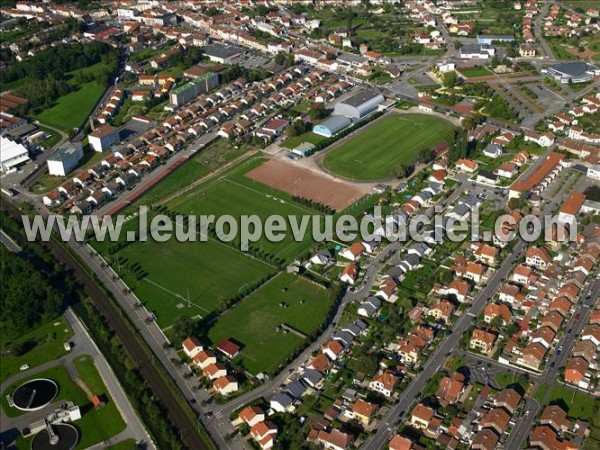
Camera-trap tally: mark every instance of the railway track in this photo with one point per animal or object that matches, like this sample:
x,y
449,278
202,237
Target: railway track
x,y
180,420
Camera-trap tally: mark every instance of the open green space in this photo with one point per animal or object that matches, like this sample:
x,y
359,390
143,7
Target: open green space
x,y
210,158
52,139
379,148
475,71
577,404
71,110
95,425
43,344
510,379
286,299
207,272
295,141
128,444
105,422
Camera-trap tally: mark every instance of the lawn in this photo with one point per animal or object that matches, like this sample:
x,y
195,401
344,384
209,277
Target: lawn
x,y
578,405
46,343
71,110
208,272
52,139
95,425
295,141
285,299
210,158
128,444
508,379
393,140
105,422
475,71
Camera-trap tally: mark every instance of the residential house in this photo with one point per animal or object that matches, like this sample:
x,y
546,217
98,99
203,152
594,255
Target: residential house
x,y
420,416
191,347
384,383
482,341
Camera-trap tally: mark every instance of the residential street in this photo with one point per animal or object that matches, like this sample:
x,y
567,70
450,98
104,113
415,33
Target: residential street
x,y
554,364
386,428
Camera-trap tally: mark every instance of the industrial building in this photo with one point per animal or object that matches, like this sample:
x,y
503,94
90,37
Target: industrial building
x,y
332,126
12,154
359,104
223,53
65,159
572,72
189,91
477,51
102,138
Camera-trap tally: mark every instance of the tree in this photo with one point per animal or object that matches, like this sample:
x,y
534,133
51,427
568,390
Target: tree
x,y
29,294
368,364
401,171
184,327
425,155
593,193
297,128
284,59
318,112
449,79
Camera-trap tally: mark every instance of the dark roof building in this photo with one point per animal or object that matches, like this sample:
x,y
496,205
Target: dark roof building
x,y
573,72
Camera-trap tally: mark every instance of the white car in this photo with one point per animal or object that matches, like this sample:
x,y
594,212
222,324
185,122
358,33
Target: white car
x,y
24,367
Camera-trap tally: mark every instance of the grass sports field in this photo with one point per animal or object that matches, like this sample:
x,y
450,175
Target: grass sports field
x,y
395,139
208,271
286,299
212,271
238,195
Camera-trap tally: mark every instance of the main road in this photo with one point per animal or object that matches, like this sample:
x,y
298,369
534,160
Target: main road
x,y
388,423
554,363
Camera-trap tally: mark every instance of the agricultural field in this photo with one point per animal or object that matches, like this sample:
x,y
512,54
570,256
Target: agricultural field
x,y
379,148
286,299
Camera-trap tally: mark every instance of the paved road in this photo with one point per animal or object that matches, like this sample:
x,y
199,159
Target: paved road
x,y
388,423
555,362
539,32
82,345
8,242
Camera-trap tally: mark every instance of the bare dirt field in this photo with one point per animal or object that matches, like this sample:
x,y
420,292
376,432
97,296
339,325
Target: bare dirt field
x,y
308,184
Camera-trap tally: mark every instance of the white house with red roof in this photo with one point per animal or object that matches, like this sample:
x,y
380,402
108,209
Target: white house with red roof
x,y
191,347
